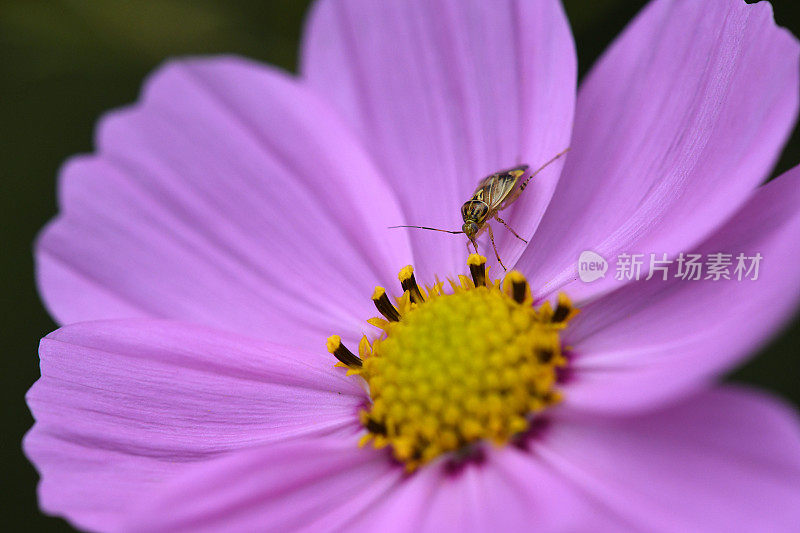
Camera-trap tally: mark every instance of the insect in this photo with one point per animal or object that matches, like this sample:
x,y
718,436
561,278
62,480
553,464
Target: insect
x,y
493,194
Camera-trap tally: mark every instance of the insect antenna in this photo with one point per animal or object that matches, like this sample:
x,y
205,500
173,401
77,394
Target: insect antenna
x,y
559,154
424,227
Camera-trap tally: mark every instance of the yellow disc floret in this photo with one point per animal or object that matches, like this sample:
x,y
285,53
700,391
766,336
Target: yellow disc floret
x,y
455,368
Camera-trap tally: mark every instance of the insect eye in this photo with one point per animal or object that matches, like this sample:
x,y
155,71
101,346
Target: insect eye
x,y
469,228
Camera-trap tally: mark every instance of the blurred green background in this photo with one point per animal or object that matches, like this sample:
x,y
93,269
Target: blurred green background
x,y
63,63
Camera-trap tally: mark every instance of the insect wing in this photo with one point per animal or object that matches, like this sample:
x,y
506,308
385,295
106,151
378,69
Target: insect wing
x,y
494,189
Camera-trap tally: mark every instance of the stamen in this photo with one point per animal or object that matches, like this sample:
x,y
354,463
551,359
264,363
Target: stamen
x,y
477,267
375,427
564,308
545,355
384,306
341,352
519,291
409,284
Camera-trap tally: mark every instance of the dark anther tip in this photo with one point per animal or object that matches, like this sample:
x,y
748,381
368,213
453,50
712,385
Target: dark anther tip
x,y
561,313
341,352
384,306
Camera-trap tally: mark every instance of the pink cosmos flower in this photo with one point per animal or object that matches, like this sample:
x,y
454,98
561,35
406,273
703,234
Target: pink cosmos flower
x,y
236,216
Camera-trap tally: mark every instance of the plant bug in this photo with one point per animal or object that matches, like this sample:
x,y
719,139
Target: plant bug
x,y
493,194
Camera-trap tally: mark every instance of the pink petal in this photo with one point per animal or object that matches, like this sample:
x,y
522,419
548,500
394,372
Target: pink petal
x,y
327,485
509,491
653,340
309,484
123,406
443,93
229,196
721,461
675,126
724,460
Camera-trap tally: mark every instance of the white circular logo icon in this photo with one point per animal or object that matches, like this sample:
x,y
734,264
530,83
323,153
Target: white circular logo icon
x,y
591,266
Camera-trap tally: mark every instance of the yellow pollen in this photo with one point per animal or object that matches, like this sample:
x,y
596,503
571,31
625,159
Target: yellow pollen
x,y
454,368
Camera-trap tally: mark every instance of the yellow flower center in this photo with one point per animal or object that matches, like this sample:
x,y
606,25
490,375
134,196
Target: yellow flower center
x,y
455,368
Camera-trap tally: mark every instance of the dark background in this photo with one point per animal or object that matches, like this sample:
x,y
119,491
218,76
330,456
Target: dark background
x,y
63,63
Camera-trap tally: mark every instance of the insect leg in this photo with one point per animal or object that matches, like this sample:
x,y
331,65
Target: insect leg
x,y
503,222
468,250
525,183
497,255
